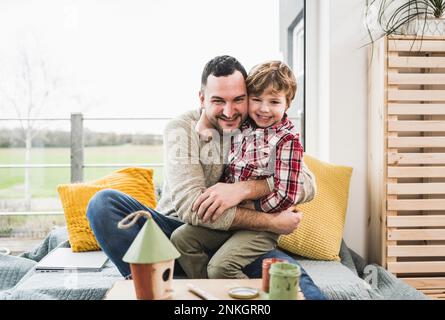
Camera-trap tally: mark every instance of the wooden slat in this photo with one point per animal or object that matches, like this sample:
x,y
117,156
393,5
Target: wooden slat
x,y
416,62
418,45
408,102
416,142
417,234
435,294
416,172
421,204
417,78
387,179
407,125
376,153
416,251
416,108
416,158
416,188
417,267
417,221
414,37
426,282
416,95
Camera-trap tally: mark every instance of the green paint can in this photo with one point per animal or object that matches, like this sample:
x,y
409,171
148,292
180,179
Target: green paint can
x,y
284,279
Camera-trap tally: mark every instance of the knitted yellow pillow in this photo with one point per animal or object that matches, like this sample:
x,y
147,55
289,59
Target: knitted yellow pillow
x,y
136,182
320,232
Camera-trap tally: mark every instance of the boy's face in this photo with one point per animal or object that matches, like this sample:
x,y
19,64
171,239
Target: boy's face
x,y
268,108
224,100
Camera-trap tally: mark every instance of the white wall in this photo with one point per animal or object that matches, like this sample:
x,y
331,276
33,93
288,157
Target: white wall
x,y
337,100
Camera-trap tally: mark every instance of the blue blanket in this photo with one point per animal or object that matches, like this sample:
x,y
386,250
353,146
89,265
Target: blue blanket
x,y
337,280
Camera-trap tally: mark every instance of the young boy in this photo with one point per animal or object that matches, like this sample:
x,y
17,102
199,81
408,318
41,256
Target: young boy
x,y
269,146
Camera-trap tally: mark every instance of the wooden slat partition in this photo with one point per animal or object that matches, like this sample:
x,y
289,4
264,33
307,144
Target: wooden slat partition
x,y
416,251
416,142
438,294
417,221
407,162
416,108
416,95
395,158
421,205
416,62
416,234
417,78
416,188
417,267
407,126
416,45
416,172
426,282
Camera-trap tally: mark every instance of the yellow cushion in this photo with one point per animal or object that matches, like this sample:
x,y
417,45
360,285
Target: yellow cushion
x,y
320,232
136,182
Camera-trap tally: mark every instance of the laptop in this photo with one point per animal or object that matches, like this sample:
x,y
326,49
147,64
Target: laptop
x,y
64,259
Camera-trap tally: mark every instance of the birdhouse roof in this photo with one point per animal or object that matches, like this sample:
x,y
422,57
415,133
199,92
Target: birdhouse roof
x,y
151,245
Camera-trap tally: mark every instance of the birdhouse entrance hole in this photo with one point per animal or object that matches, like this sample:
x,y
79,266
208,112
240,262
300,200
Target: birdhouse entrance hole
x,y
166,275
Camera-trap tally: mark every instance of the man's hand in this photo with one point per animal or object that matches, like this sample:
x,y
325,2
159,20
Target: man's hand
x,y
212,203
285,222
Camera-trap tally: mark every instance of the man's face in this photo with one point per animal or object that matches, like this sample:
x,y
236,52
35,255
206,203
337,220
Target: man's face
x,y
224,100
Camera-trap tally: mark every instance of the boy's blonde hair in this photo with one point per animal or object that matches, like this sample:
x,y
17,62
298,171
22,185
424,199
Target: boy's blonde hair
x,y
274,74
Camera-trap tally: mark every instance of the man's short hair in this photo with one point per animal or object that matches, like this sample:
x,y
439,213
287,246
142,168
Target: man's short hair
x,y
221,66
274,74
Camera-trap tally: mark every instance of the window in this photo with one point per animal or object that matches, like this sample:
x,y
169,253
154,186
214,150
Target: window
x,y
298,49
292,27
127,75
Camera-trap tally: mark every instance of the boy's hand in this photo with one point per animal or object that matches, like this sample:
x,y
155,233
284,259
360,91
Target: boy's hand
x,y
214,201
285,222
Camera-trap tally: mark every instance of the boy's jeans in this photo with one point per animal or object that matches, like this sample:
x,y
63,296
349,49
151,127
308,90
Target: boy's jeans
x,y
109,206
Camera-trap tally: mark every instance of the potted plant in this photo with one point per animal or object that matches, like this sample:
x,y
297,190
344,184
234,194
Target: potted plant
x,y
404,17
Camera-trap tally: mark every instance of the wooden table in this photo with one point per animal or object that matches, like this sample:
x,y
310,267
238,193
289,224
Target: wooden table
x,y
124,289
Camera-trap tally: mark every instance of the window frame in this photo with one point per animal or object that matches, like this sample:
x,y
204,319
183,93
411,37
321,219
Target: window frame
x,y
299,22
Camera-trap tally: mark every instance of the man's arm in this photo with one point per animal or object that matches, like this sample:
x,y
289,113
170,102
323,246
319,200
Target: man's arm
x,y
281,223
184,174
307,184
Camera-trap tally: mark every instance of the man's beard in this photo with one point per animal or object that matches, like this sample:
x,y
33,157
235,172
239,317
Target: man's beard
x,y
237,117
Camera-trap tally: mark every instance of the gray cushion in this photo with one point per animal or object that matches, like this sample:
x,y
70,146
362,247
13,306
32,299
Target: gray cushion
x,y
337,281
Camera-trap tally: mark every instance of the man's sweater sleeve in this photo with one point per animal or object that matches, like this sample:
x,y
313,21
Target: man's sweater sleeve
x,y
185,175
307,184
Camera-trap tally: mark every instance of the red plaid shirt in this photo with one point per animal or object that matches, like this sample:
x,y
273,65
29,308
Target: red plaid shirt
x,y
259,153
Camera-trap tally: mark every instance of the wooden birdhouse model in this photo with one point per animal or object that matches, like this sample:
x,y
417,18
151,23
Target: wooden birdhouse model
x,y
151,257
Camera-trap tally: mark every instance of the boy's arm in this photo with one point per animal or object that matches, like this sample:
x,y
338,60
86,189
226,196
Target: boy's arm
x,y
307,188
289,156
215,200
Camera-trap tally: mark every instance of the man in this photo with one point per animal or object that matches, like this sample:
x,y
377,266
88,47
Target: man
x,y
195,145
